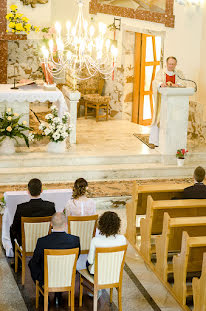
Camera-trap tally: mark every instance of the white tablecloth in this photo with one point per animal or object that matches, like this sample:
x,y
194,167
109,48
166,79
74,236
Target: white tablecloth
x,y
13,198
32,93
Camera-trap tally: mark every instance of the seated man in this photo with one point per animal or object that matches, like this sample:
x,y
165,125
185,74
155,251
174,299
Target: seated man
x,y
58,239
36,207
198,191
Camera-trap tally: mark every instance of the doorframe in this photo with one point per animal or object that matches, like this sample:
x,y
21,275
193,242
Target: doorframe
x,y
137,67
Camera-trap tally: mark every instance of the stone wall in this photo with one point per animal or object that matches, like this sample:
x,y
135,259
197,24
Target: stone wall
x,y
24,56
121,88
196,124
128,61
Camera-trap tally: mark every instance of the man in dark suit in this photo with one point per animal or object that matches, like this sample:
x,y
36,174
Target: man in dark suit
x,y
36,207
198,190
58,239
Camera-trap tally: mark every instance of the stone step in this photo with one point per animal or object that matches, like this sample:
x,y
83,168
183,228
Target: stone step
x,y
47,159
22,175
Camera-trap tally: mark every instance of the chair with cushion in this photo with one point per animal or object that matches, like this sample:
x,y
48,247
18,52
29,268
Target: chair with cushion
x,y
85,228
97,102
32,228
59,274
108,273
91,96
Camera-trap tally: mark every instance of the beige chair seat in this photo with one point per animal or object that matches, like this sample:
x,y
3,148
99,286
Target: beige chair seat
x,y
108,272
87,276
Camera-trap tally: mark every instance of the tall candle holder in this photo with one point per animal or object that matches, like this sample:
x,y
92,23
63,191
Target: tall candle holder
x,y
14,87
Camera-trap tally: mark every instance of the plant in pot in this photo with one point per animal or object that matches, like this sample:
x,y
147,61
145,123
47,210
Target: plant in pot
x,y
12,128
56,129
180,155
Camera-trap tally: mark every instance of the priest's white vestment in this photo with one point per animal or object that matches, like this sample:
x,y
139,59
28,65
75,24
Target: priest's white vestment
x,y
161,77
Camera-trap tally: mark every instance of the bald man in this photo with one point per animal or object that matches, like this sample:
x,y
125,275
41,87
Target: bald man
x,y
58,239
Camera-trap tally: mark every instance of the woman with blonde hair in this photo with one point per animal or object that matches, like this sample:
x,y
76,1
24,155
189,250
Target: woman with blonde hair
x,y
80,205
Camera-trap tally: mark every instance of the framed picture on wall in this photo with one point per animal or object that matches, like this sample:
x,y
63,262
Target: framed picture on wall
x,y
158,11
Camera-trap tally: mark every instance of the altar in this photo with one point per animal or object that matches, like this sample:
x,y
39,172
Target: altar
x,y
19,100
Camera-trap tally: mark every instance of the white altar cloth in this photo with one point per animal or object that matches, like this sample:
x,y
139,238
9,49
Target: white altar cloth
x,y
31,94
13,198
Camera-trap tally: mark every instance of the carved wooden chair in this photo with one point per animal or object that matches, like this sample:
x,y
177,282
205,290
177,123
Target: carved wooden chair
x,y
59,274
32,228
85,228
108,273
91,96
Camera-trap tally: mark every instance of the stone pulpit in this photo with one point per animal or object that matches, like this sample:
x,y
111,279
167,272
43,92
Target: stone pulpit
x,y
174,119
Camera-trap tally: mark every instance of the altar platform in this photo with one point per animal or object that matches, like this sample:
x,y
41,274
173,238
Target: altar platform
x,y
105,150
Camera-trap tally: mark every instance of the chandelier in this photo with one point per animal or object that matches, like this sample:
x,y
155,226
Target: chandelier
x,y
80,52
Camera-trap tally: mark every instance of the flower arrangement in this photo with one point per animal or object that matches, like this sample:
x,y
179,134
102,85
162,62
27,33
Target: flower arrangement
x,y
181,153
18,22
11,127
55,129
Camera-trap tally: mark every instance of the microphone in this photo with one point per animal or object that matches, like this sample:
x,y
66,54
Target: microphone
x,y
188,81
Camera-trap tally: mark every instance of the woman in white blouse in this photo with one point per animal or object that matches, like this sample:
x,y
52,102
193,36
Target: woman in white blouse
x,y
80,205
109,226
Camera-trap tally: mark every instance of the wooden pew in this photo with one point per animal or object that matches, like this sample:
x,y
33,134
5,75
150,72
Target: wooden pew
x,y
189,260
137,205
171,239
153,223
199,289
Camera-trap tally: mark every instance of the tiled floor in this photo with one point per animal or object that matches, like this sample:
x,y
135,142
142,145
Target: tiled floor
x,y
112,137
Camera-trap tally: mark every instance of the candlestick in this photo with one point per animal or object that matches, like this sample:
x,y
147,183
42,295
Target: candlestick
x,y
14,87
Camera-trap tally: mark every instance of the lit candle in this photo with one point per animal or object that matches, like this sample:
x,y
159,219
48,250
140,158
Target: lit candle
x,y
58,28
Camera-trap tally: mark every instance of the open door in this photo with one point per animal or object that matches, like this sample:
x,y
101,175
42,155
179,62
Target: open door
x,y
148,54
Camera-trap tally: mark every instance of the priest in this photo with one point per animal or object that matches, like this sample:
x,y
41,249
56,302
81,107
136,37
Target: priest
x,y
168,77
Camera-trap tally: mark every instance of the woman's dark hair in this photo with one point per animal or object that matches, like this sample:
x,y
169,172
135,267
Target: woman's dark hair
x,y
35,187
109,224
79,188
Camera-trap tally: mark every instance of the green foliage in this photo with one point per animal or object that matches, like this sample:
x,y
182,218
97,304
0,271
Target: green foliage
x,y
12,127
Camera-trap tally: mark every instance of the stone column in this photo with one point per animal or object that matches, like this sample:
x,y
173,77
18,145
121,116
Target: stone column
x,y
72,98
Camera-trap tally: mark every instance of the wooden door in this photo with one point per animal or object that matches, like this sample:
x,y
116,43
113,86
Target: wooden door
x,y
148,54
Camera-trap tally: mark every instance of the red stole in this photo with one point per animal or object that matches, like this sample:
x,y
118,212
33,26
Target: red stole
x,y
170,78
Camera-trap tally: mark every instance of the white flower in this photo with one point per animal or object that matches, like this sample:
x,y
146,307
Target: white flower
x,y
47,131
31,137
49,116
67,114
9,118
24,122
53,107
41,126
64,135
8,109
56,136
56,120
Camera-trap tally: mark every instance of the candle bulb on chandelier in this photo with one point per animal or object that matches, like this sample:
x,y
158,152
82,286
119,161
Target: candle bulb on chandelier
x,y
58,28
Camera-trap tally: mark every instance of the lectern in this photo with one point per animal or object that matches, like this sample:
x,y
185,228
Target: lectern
x,y
174,119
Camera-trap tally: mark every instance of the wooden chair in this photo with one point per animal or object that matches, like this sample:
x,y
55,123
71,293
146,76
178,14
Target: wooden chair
x,y
97,102
198,287
189,260
85,228
171,239
108,273
59,274
138,204
32,228
153,223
